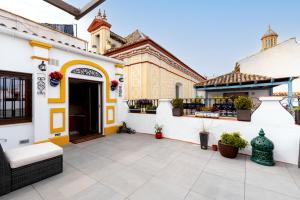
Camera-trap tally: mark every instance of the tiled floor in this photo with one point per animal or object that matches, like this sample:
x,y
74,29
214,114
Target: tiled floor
x,y
138,167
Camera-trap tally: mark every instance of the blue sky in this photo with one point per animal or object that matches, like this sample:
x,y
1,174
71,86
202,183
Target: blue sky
x,y
208,35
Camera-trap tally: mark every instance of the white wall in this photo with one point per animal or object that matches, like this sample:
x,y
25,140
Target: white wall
x,y
277,123
16,55
282,60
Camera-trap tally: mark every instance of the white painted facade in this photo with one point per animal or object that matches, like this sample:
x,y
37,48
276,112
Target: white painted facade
x,y
16,56
277,123
282,60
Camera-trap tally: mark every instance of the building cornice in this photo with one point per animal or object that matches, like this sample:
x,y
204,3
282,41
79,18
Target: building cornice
x,y
172,60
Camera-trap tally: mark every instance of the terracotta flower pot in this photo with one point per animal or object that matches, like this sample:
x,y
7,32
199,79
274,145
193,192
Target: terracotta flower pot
x,y
214,147
158,135
244,115
227,151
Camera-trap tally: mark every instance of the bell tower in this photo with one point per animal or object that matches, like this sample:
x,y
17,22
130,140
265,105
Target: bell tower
x,y
100,33
269,39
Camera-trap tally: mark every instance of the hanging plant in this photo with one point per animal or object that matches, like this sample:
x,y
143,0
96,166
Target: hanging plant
x,y
55,78
113,85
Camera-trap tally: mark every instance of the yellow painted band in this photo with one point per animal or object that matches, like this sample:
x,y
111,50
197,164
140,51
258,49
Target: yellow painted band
x,y
69,64
118,74
119,66
111,130
60,129
108,121
59,140
43,45
39,58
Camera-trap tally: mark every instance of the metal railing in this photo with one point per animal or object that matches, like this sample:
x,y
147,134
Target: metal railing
x,y
285,102
224,106
143,105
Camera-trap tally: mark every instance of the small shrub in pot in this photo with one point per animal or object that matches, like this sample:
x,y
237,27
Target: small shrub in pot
x,y
134,109
150,109
297,115
177,107
243,107
230,144
158,131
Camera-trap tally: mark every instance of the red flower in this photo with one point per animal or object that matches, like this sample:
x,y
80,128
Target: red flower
x,y
56,75
114,83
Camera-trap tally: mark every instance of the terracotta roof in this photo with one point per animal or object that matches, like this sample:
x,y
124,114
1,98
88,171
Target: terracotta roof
x,y
132,38
232,79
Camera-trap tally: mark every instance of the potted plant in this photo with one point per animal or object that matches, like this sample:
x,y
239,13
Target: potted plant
x,y
230,144
177,107
150,109
135,109
158,131
113,85
297,115
55,78
243,107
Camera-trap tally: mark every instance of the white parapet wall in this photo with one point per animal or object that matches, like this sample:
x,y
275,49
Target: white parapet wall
x,y
277,123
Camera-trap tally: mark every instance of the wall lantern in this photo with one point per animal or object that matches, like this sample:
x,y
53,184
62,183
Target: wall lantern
x,y
42,66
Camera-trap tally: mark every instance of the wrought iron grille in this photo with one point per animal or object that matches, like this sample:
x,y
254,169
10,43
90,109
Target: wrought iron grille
x,y
15,98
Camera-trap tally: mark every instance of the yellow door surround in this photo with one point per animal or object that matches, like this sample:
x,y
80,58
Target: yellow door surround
x,y
63,127
63,70
110,121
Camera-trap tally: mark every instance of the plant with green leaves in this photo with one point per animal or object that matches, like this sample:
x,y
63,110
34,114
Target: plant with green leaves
x,y
158,128
234,139
151,107
243,103
297,108
177,103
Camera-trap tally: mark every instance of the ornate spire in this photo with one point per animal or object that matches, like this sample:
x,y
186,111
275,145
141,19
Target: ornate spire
x,y
99,15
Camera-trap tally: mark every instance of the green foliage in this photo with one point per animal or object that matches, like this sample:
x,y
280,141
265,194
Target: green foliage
x,y
137,106
177,103
150,107
297,108
158,128
243,103
234,139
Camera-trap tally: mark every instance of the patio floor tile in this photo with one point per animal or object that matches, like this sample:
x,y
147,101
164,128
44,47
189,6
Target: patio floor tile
x,y
26,193
98,192
64,185
254,193
139,167
126,180
158,190
219,187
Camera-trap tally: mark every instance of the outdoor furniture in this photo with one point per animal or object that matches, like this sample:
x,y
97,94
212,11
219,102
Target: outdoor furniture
x,y
23,166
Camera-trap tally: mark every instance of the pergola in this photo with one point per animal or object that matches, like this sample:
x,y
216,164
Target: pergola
x,y
71,9
240,81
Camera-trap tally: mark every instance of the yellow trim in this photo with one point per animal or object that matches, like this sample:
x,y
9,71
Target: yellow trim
x,y
119,66
59,140
57,110
39,58
35,43
42,141
114,114
111,130
69,64
118,74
